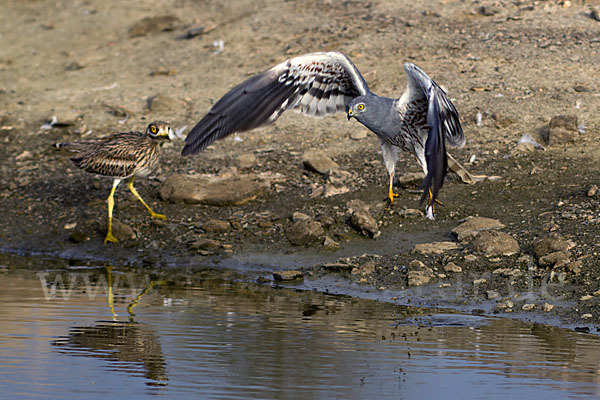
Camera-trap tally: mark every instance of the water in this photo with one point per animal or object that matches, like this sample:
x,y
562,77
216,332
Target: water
x,y
182,335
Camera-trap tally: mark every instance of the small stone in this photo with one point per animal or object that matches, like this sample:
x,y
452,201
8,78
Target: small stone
x,y
417,264
317,161
528,307
555,259
326,220
359,134
216,226
330,244
470,257
492,294
366,269
596,293
508,272
548,307
153,24
563,130
216,191
287,275
592,191
419,278
247,160
361,219
551,244
473,225
586,297
479,281
452,267
411,178
74,66
595,14
574,266
338,267
164,72
493,243
586,316
79,236
298,216
435,247
487,10
122,231
304,233
205,244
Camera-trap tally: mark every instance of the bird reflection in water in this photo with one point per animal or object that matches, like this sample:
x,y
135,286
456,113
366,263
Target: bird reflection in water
x,y
125,345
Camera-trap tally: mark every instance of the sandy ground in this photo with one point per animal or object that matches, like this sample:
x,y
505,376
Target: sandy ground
x,y
96,66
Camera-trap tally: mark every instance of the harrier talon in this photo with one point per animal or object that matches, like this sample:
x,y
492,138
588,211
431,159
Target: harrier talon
x,y
120,156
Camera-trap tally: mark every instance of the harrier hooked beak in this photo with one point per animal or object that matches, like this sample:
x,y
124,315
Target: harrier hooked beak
x,y
350,114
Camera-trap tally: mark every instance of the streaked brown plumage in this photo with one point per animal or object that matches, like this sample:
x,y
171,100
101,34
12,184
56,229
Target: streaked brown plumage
x,y
120,156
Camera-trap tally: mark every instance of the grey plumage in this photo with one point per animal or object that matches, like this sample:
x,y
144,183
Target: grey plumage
x,y
422,121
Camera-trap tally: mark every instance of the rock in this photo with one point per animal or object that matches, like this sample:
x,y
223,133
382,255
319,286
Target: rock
x,y
595,14
528,307
586,297
492,294
366,269
122,231
480,281
361,219
551,244
287,275
597,293
435,247
575,266
162,71
586,316
548,307
451,267
592,191
508,272
330,244
298,216
162,103
304,233
326,221
359,134
418,278
153,24
247,160
79,236
504,305
411,213
338,267
210,190
473,225
216,226
493,243
563,130
411,178
317,161
205,244
555,259
487,10
417,264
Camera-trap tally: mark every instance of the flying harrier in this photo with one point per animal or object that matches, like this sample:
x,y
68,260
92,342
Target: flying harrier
x,y
319,84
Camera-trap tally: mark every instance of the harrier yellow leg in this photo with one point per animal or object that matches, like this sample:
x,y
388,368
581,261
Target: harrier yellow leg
x,y
137,196
111,203
391,194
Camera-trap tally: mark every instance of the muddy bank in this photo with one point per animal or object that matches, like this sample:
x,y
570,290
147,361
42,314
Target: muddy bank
x,y
510,70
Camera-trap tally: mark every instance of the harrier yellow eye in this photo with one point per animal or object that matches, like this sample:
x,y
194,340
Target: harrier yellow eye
x,y
361,107
153,129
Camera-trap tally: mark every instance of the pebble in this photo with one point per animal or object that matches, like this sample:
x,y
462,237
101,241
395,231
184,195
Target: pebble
x,y
563,130
247,160
362,220
473,225
586,316
596,293
317,161
287,275
205,244
492,294
304,233
122,231
216,226
548,307
358,135
493,243
210,190
419,278
153,24
435,247
528,307
479,281
592,191
330,244
551,244
556,259
586,297
452,267
298,216
508,272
